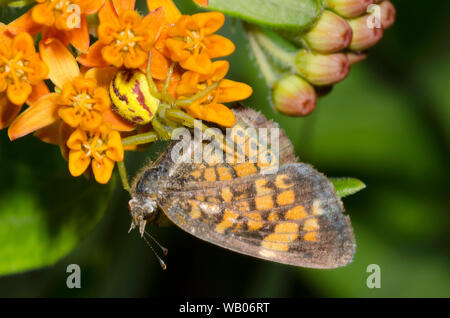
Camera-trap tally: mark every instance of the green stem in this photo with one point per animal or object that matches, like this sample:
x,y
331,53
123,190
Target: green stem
x,y
140,139
264,65
123,176
198,96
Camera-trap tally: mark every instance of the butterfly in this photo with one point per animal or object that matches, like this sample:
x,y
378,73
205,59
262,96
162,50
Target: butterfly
x,y
290,215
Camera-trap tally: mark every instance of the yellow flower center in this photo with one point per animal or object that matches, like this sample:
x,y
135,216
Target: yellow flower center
x,y
16,69
126,40
83,102
194,41
95,147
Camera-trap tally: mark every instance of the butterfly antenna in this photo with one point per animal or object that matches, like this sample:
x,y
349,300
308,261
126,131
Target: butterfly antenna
x,y
161,262
163,249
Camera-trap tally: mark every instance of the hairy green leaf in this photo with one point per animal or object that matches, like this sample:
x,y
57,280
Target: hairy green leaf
x,y
347,186
280,14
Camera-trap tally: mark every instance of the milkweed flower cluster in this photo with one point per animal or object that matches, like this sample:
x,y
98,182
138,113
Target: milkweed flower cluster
x,y
176,52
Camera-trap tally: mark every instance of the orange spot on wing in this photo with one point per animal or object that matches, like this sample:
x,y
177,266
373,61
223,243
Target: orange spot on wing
x,y
224,173
261,189
195,211
286,197
296,213
255,221
284,234
245,169
226,194
311,225
229,217
310,236
210,174
264,203
280,182
196,174
273,217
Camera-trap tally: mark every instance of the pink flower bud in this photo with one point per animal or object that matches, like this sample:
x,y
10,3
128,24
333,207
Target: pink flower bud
x,y
330,34
322,69
293,96
388,14
349,8
367,31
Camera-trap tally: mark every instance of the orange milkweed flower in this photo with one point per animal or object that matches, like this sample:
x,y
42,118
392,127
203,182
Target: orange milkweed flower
x,y
100,148
210,107
62,19
191,41
21,74
125,38
82,101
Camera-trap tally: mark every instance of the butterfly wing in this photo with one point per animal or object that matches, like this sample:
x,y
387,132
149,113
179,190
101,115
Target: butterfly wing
x,y
293,216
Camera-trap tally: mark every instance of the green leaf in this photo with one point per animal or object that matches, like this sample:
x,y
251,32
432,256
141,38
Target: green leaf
x,y
280,14
347,186
44,212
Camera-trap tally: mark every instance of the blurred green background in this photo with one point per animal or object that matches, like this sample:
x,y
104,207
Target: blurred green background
x,y
386,124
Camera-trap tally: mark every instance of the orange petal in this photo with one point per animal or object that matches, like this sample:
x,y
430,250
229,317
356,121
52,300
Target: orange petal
x,y
215,113
38,91
43,14
49,134
231,91
23,42
117,122
218,46
112,55
103,75
152,26
210,22
135,60
43,113
108,14
103,170
123,5
159,66
69,115
18,93
24,23
78,162
172,12
176,50
91,6
8,111
220,70
200,63
94,57
62,65
76,139
115,148
79,37
39,70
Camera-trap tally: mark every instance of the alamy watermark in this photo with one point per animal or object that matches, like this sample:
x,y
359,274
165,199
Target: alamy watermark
x,y
374,19
238,145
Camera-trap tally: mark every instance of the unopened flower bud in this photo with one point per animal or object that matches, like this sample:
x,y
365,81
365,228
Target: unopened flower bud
x,y
330,34
388,14
321,69
367,31
354,57
349,8
294,96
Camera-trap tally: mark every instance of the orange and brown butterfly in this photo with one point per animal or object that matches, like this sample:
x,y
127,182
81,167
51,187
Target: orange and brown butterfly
x,y
292,216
